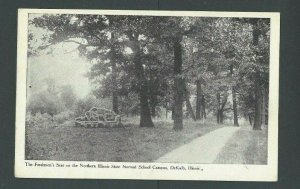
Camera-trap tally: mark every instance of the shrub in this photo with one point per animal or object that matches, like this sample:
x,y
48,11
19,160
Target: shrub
x,y
63,117
38,120
87,103
45,102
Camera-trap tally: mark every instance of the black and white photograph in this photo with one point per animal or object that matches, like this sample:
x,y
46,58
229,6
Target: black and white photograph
x,y
175,95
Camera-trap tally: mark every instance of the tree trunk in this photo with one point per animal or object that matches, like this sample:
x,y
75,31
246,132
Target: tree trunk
x,y
153,112
234,104
166,109
173,117
218,116
266,105
166,113
115,103
203,107
145,120
221,116
258,99
188,104
198,100
250,119
218,108
263,108
257,115
145,114
178,86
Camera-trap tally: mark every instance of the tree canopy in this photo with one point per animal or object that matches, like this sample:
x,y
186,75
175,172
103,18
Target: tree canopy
x,y
148,63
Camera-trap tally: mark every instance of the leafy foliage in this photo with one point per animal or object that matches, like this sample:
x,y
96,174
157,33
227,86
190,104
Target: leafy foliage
x,y
83,105
132,59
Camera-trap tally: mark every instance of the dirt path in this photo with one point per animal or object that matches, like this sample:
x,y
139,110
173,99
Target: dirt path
x,y
203,149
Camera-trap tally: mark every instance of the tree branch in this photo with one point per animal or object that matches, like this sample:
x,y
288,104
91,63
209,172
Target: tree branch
x,y
66,41
73,41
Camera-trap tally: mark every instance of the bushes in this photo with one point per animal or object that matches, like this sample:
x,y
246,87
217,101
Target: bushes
x,y
45,120
45,102
39,120
87,103
63,117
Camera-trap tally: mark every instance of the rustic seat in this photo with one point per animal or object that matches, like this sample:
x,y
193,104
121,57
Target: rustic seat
x,y
97,117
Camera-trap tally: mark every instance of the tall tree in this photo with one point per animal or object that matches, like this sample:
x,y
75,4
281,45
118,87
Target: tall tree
x,y
178,85
138,31
199,97
188,103
257,87
255,66
234,101
178,31
115,102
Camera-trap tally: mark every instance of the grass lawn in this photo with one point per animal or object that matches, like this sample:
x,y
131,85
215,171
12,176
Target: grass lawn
x,y
129,144
245,147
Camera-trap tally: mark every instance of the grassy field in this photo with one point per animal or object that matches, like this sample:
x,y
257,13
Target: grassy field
x,y
129,144
245,147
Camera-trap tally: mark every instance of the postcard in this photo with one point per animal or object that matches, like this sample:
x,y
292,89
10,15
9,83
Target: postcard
x,y
139,94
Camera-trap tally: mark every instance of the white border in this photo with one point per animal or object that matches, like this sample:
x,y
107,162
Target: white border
x,y
223,172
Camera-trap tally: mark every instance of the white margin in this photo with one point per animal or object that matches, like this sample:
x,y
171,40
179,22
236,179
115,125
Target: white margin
x,y
223,172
